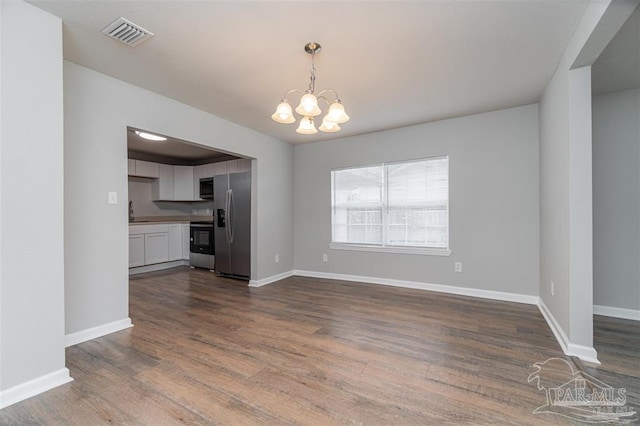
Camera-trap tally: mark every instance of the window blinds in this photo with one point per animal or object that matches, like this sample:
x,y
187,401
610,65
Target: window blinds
x,y
398,204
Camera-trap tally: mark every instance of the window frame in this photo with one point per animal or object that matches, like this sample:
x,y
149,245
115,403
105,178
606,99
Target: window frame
x,y
391,248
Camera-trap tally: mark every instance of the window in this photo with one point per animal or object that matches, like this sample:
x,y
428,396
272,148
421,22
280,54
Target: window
x,y
392,207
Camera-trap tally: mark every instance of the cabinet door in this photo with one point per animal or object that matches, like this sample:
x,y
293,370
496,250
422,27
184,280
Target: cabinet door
x,y
131,167
162,188
186,242
183,183
232,166
136,250
147,169
175,242
244,165
220,168
156,248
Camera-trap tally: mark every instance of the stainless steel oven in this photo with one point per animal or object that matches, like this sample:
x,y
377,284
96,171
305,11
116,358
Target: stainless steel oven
x,y
202,246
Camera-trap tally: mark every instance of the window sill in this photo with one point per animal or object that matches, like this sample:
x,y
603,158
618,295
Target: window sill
x,y
400,250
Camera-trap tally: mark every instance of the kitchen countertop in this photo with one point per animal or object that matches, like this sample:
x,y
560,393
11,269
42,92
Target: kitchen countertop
x,y
144,220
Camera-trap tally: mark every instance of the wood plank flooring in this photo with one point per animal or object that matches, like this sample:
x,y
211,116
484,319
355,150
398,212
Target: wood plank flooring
x,y
208,350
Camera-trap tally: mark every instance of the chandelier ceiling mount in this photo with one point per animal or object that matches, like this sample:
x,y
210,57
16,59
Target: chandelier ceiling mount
x,y
308,107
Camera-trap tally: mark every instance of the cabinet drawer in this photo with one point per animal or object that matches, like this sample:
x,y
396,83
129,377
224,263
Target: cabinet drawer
x,y
147,229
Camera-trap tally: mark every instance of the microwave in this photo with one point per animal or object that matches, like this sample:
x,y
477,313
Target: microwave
x,y
206,188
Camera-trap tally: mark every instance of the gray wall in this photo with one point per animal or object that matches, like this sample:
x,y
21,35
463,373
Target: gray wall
x,y
31,178
566,205
616,199
493,201
566,255
98,110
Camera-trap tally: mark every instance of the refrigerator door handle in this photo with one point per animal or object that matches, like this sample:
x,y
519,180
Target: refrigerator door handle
x,y
227,214
231,212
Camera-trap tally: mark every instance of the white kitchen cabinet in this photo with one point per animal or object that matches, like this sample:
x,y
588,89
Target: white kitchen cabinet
x,y
244,165
154,243
186,241
162,188
183,183
156,248
131,167
232,166
147,169
175,242
143,168
175,183
136,250
220,168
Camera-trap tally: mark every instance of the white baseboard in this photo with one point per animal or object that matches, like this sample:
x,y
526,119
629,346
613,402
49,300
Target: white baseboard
x,y
34,387
157,267
271,279
463,291
95,332
623,313
585,353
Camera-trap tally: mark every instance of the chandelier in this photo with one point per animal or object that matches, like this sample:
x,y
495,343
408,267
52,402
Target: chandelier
x,y
309,108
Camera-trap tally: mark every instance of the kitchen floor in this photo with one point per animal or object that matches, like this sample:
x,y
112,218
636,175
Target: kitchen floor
x,y
209,350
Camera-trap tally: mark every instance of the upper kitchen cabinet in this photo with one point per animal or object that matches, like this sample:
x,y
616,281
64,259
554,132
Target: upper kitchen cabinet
x,y
162,188
220,168
244,165
183,189
175,183
143,169
182,183
232,166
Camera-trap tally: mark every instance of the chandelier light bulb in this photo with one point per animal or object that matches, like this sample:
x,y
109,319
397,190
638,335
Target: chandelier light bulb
x,y
283,113
306,126
336,113
329,126
308,105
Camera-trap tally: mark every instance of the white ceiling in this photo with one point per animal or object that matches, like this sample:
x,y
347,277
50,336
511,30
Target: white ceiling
x,y
171,151
394,63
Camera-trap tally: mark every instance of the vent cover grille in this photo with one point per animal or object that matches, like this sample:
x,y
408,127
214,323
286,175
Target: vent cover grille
x,y
127,32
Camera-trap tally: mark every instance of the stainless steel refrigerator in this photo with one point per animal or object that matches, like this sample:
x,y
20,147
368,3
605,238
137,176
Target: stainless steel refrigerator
x,y
232,231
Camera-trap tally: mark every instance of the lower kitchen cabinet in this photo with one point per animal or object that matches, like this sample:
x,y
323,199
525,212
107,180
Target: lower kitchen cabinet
x,y
136,250
151,244
186,242
175,242
156,248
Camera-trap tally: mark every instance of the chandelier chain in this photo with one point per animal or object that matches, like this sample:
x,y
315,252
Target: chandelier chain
x,y
312,81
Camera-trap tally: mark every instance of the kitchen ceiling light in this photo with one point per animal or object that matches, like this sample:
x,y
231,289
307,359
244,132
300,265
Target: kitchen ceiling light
x,y
309,108
150,136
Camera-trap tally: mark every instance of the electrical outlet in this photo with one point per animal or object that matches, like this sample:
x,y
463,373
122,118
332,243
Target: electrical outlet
x,y
552,288
113,198
277,258
457,266
325,257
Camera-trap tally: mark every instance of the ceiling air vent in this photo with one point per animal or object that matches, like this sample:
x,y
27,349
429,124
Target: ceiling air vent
x,y
127,32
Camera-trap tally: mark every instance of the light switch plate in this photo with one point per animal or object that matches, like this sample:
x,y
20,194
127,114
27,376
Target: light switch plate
x,y
113,198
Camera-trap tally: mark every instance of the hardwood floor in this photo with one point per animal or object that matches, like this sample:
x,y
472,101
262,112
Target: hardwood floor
x,y
207,350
